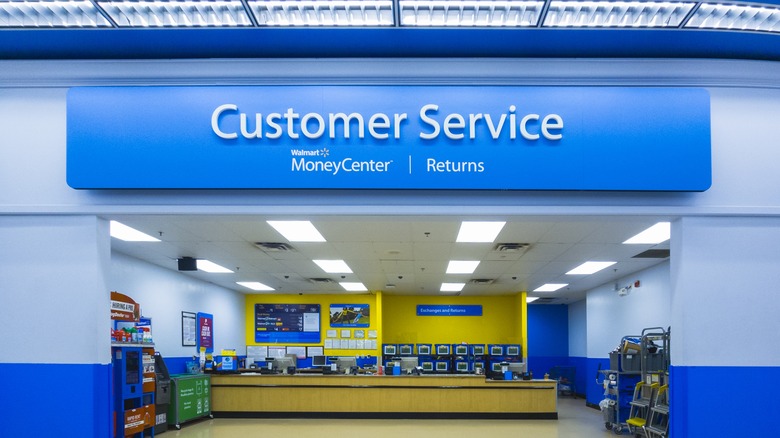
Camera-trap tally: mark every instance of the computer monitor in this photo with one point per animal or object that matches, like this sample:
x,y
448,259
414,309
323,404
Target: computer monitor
x,y
478,350
442,366
282,364
406,350
443,349
346,362
319,361
389,350
424,349
462,367
427,366
409,363
517,368
513,350
461,349
496,350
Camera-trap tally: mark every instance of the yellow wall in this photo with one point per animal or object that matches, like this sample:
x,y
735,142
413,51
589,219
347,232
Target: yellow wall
x,y
396,321
324,301
500,322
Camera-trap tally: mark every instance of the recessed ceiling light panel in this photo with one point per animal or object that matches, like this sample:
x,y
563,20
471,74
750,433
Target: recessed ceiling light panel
x,y
470,13
177,13
452,287
550,287
254,285
353,286
462,266
49,14
588,268
297,231
121,231
660,232
211,267
621,14
334,266
485,232
323,12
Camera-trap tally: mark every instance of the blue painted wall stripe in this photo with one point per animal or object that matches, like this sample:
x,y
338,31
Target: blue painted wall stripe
x,y
723,401
63,400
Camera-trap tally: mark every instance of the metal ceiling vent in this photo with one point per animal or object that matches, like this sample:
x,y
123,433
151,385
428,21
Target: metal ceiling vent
x,y
511,247
482,281
321,280
274,247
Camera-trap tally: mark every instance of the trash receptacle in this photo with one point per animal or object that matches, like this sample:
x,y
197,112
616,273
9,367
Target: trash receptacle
x,y
162,396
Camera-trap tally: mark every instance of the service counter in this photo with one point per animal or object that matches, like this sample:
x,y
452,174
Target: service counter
x,y
372,396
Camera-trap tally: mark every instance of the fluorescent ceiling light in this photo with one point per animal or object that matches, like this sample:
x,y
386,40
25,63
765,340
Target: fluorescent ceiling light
x,y
177,13
462,266
452,287
123,232
322,12
550,287
479,231
51,14
334,266
588,268
658,233
297,231
211,267
254,285
736,17
353,286
616,14
531,299
470,13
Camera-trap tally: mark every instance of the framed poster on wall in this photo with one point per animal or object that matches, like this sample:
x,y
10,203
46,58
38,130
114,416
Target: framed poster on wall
x,y
188,329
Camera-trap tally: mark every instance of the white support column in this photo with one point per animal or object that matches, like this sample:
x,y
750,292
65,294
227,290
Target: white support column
x,y
725,279
55,321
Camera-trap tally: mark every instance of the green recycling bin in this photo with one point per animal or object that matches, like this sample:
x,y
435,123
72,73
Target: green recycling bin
x,y
190,398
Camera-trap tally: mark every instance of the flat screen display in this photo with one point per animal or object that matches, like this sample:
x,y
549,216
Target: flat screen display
x,y
287,323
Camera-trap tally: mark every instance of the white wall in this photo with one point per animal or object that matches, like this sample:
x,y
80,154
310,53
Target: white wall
x,y
164,294
53,302
610,317
725,281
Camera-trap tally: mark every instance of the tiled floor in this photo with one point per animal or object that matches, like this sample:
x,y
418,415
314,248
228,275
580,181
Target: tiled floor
x,y
575,420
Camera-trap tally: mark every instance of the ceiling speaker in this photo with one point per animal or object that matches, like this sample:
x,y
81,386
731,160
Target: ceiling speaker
x,y
188,264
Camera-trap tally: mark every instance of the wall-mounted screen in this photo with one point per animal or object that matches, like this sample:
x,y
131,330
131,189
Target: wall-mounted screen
x,y
287,323
350,315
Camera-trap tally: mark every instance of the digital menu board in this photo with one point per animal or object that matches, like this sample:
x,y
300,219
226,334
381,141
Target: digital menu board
x,y
287,323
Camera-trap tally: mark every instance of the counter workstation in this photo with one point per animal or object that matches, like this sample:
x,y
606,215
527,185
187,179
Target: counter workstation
x,y
372,396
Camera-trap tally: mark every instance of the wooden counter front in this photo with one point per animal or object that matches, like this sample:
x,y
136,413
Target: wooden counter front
x,y
343,396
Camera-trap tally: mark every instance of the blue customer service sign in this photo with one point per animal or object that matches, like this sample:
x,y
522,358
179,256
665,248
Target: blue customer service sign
x,y
449,310
389,137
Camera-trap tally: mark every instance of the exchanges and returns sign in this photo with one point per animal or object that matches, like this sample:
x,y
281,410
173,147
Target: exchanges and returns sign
x,y
449,310
389,137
